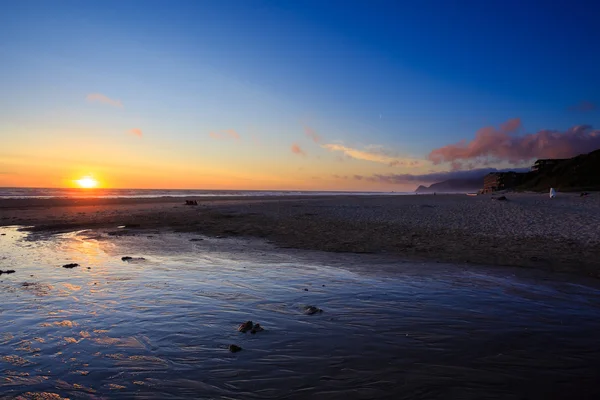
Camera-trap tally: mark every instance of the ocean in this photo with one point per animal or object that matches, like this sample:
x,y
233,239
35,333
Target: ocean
x,y
45,193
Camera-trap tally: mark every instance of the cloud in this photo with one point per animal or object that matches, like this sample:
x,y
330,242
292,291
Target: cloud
x,y
503,144
232,133
136,132
309,132
431,177
298,150
584,106
374,153
93,97
225,134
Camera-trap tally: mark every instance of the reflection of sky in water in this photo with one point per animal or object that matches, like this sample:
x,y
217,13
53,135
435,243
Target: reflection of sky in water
x,y
163,325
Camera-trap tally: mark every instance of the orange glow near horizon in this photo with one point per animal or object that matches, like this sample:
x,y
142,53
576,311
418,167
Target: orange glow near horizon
x,y
87,182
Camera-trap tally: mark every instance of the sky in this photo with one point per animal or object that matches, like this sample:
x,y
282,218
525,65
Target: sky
x,y
303,95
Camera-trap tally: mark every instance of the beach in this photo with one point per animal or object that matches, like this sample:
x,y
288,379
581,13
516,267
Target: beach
x,y
161,323
360,297
527,230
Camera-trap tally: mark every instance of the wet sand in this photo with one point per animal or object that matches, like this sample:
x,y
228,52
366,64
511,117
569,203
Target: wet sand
x,y
528,230
161,327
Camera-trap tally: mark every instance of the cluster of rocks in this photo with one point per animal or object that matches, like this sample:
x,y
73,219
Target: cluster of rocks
x,y
253,328
71,265
249,327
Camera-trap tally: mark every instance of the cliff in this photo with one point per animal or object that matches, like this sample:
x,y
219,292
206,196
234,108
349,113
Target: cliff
x,y
453,186
579,173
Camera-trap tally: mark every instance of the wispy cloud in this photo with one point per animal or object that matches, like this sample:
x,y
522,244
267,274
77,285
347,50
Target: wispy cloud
x,y
374,153
296,149
584,106
503,144
136,131
431,177
225,134
312,134
231,133
100,98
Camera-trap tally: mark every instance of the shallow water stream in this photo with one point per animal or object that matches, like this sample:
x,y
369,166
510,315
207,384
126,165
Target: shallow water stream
x,y
160,327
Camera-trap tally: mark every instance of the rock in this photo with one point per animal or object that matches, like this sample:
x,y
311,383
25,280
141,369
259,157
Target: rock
x,y
128,258
234,348
195,239
305,289
245,327
249,326
8,271
71,265
502,198
310,310
257,328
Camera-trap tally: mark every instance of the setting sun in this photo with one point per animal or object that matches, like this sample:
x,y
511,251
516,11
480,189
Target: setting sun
x,y
87,182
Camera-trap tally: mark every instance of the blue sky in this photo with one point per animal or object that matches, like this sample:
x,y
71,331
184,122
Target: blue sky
x,y
398,79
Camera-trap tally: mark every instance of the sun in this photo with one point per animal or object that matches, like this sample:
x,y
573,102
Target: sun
x,y
87,182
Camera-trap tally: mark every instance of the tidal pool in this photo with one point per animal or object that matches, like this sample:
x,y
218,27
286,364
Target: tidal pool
x,y
161,327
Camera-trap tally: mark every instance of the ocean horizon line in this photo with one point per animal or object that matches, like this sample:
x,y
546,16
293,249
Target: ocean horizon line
x,y
39,192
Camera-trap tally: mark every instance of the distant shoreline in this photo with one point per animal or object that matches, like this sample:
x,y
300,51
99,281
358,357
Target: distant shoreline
x,y
528,230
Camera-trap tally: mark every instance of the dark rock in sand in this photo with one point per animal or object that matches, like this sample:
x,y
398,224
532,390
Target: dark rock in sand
x,y
234,348
8,271
128,258
310,310
245,327
71,265
195,239
501,198
305,289
2,234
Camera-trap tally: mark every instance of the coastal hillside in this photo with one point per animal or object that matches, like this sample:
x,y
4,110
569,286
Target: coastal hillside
x,y
575,174
453,186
